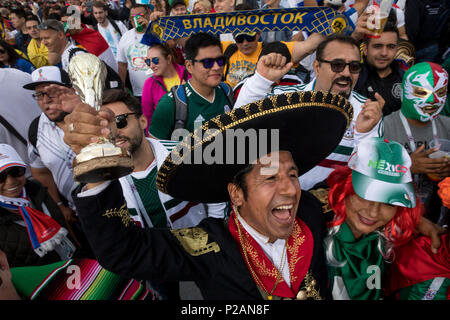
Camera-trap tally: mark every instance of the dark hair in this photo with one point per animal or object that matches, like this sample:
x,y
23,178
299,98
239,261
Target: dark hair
x,y
32,18
54,16
277,47
335,37
197,41
13,56
19,13
100,4
118,95
243,6
239,179
139,5
390,26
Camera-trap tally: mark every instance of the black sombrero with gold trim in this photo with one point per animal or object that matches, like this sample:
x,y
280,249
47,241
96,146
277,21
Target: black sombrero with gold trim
x,y
310,125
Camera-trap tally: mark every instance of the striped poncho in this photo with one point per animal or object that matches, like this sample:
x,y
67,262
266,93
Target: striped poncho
x,y
76,279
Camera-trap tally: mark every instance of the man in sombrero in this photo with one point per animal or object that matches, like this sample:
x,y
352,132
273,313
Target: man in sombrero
x,y
271,246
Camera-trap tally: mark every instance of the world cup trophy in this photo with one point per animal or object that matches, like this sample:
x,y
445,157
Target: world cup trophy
x,y
102,160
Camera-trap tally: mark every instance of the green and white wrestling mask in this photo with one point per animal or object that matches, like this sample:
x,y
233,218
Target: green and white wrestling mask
x,y
424,91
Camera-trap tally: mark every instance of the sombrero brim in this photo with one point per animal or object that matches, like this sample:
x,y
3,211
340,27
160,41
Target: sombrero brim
x,y
309,124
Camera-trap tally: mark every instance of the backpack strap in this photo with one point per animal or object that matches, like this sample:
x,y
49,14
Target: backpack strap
x,y
12,130
228,93
75,50
181,106
33,130
115,26
159,84
185,75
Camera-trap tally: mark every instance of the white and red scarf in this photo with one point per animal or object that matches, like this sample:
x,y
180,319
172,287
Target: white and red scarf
x,y
44,232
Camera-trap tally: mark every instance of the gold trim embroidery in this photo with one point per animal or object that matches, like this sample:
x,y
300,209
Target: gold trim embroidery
x,y
322,195
122,213
195,241
308,290
294,252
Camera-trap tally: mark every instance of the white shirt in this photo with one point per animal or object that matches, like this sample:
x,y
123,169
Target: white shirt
x,y
52,153
112,36
133,53
274,251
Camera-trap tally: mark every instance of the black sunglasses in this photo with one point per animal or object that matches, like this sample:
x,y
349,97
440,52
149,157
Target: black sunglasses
x,y
14,172
121,120
2,51
338,65
148,61
240,38
208,63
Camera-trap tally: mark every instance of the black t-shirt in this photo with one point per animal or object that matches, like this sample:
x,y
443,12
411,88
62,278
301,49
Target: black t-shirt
x,y
390,87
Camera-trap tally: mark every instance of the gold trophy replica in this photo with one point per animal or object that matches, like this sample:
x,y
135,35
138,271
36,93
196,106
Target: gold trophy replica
x,y
102,160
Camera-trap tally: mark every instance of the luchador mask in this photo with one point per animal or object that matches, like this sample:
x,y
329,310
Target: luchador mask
x,y
424,91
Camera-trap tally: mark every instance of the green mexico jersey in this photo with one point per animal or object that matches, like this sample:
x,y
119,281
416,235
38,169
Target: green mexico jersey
x,y
150,198
200,110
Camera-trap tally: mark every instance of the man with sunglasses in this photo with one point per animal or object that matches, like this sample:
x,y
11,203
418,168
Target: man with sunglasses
x,y
206,97
131,52
50,158
243,54
337,68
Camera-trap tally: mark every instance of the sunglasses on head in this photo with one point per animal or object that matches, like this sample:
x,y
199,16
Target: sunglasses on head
x,y
240,38
149,61
14,172
338,65
208,63
122,121
44,26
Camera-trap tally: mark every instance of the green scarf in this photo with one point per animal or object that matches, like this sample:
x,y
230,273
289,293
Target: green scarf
x,y
360,255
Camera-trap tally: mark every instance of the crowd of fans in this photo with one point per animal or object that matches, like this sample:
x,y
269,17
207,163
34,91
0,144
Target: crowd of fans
x,y
397,84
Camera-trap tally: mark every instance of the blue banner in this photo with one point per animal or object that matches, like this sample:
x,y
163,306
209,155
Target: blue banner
x,y
323,20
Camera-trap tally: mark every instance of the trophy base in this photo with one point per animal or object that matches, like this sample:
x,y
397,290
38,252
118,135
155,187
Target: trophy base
x,y
102,169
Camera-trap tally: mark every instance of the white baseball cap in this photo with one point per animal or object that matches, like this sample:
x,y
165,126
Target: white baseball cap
x,y
9,158
48,75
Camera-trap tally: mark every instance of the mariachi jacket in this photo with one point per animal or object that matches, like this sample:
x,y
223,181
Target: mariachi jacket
x,y
207,254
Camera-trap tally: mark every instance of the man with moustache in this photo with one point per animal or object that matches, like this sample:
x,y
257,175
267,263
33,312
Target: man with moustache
x,y
50,158
337,68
